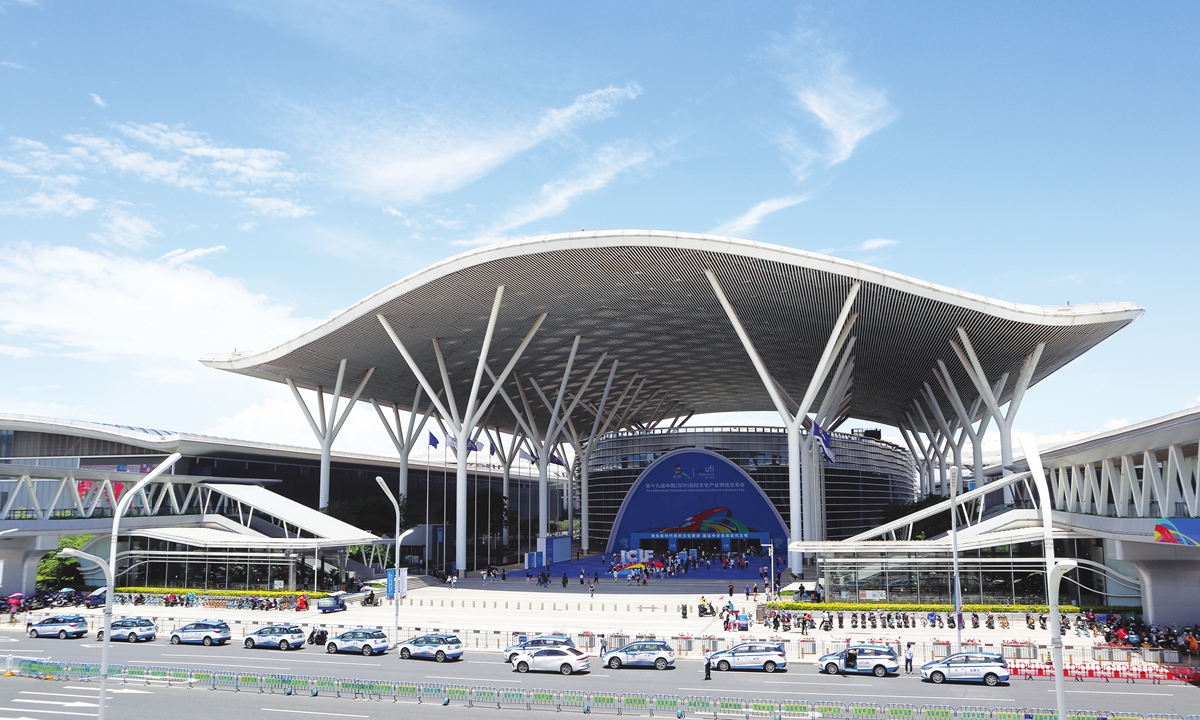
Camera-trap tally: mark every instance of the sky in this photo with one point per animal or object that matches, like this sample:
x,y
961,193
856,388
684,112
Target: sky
x,y
179,179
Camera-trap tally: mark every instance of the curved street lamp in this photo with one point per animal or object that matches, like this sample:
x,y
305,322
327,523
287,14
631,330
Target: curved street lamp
x,y
399,538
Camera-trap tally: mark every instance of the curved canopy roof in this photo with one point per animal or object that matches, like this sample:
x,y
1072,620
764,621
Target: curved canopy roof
x,y
643,297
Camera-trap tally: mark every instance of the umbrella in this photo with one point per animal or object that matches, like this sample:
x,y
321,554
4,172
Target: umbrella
x,y
66,590
17,595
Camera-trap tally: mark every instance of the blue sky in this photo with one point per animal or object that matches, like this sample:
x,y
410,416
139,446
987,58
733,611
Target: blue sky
x,y
185,178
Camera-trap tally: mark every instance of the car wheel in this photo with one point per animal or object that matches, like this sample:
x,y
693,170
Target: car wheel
x,y
522,667
660,664
440,657
511,658
175,640
207,642
991,680
33,633
249,643
769,666
723,665
937,678
879,671
615,663
405,653
831,669
284,645
565,669
331,648
62,634
99,636
366,650
133,637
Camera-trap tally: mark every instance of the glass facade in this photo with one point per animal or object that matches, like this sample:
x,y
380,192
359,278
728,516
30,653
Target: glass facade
x,y
868,474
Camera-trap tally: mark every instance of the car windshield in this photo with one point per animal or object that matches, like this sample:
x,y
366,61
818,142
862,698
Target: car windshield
x,y
452,640
574,651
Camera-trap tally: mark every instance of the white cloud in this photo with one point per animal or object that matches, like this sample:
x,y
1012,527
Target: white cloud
x,y
276,207
12,65
71,301
61,202
181,256
248,165
13,351
756,214
1116,424
557,196
99,100
876,243
420,157
247,226
847,109
126,230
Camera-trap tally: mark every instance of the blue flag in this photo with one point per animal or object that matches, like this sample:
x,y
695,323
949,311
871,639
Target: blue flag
x,y
554,460
493,452
824,442
433,441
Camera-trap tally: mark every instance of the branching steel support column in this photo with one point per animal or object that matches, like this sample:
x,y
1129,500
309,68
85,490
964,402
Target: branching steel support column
x,y
507,457
948,428
329,428
463,426
1004,421
967,417
404,440
583,450
801,526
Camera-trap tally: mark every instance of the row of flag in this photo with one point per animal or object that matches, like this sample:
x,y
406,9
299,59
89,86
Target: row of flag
x,y
477,446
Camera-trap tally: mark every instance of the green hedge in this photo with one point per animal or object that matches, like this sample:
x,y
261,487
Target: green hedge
x,y
223,593
915,607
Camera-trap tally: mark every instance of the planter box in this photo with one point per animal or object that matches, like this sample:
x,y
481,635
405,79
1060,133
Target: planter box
x,y
941,651
709,645
685,644
617,641
1020,652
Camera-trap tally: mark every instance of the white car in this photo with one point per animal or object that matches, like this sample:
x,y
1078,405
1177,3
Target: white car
x,y
757,655
367,642
565,660
650,653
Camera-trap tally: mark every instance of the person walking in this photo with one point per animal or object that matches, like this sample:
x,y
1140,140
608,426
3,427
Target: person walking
x,y
707,665
908,658
603,646
592,588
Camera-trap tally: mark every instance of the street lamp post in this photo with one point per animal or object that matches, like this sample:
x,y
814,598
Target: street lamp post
x,y
118,511
771,552
395,590
108,580
958,616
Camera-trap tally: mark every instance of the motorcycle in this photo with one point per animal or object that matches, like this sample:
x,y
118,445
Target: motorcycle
x,y
975,621
839,620
318,636
950,621
990,622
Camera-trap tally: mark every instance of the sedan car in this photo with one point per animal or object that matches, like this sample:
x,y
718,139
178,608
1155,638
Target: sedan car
x,y
877,660
130,629
532,644
438,646
648,653
284,637
61,626
205,632
565,660
751,656
367,642
987,668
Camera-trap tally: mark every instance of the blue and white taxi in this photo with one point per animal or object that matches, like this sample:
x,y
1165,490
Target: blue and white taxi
x,y
361,640
60,626
755,655
284,637
645,653
204,632
130,629
990,669
438,646
877,660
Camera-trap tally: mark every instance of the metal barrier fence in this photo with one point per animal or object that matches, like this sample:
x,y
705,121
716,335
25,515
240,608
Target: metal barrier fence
x,y
615,703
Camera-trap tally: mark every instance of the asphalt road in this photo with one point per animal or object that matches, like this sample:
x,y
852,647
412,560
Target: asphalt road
x,y
801,681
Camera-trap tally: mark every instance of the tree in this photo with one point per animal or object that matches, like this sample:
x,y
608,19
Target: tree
x,y
54,573
375,515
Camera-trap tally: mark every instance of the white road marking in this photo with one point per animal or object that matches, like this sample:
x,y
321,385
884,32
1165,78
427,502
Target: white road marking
x,y
75,704
232,665
862,695
450,677
310,662
50,712
805,682
127,691
31,692
1113,692
311,712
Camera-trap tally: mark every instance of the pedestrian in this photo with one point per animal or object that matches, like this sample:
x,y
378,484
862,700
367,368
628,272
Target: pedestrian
x,y
582,574
503,574
603,646
707,665
528,577
908,658
592,589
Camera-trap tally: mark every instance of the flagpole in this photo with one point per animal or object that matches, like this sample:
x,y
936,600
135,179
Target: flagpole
x,y
427,504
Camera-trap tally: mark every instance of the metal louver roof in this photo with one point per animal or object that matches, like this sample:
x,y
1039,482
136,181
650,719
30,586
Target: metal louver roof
x,y
642,296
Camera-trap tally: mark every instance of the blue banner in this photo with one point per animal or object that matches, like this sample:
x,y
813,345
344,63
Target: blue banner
x,y
391,583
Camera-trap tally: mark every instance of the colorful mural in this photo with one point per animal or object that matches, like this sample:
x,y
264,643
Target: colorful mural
x,y
1178,531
